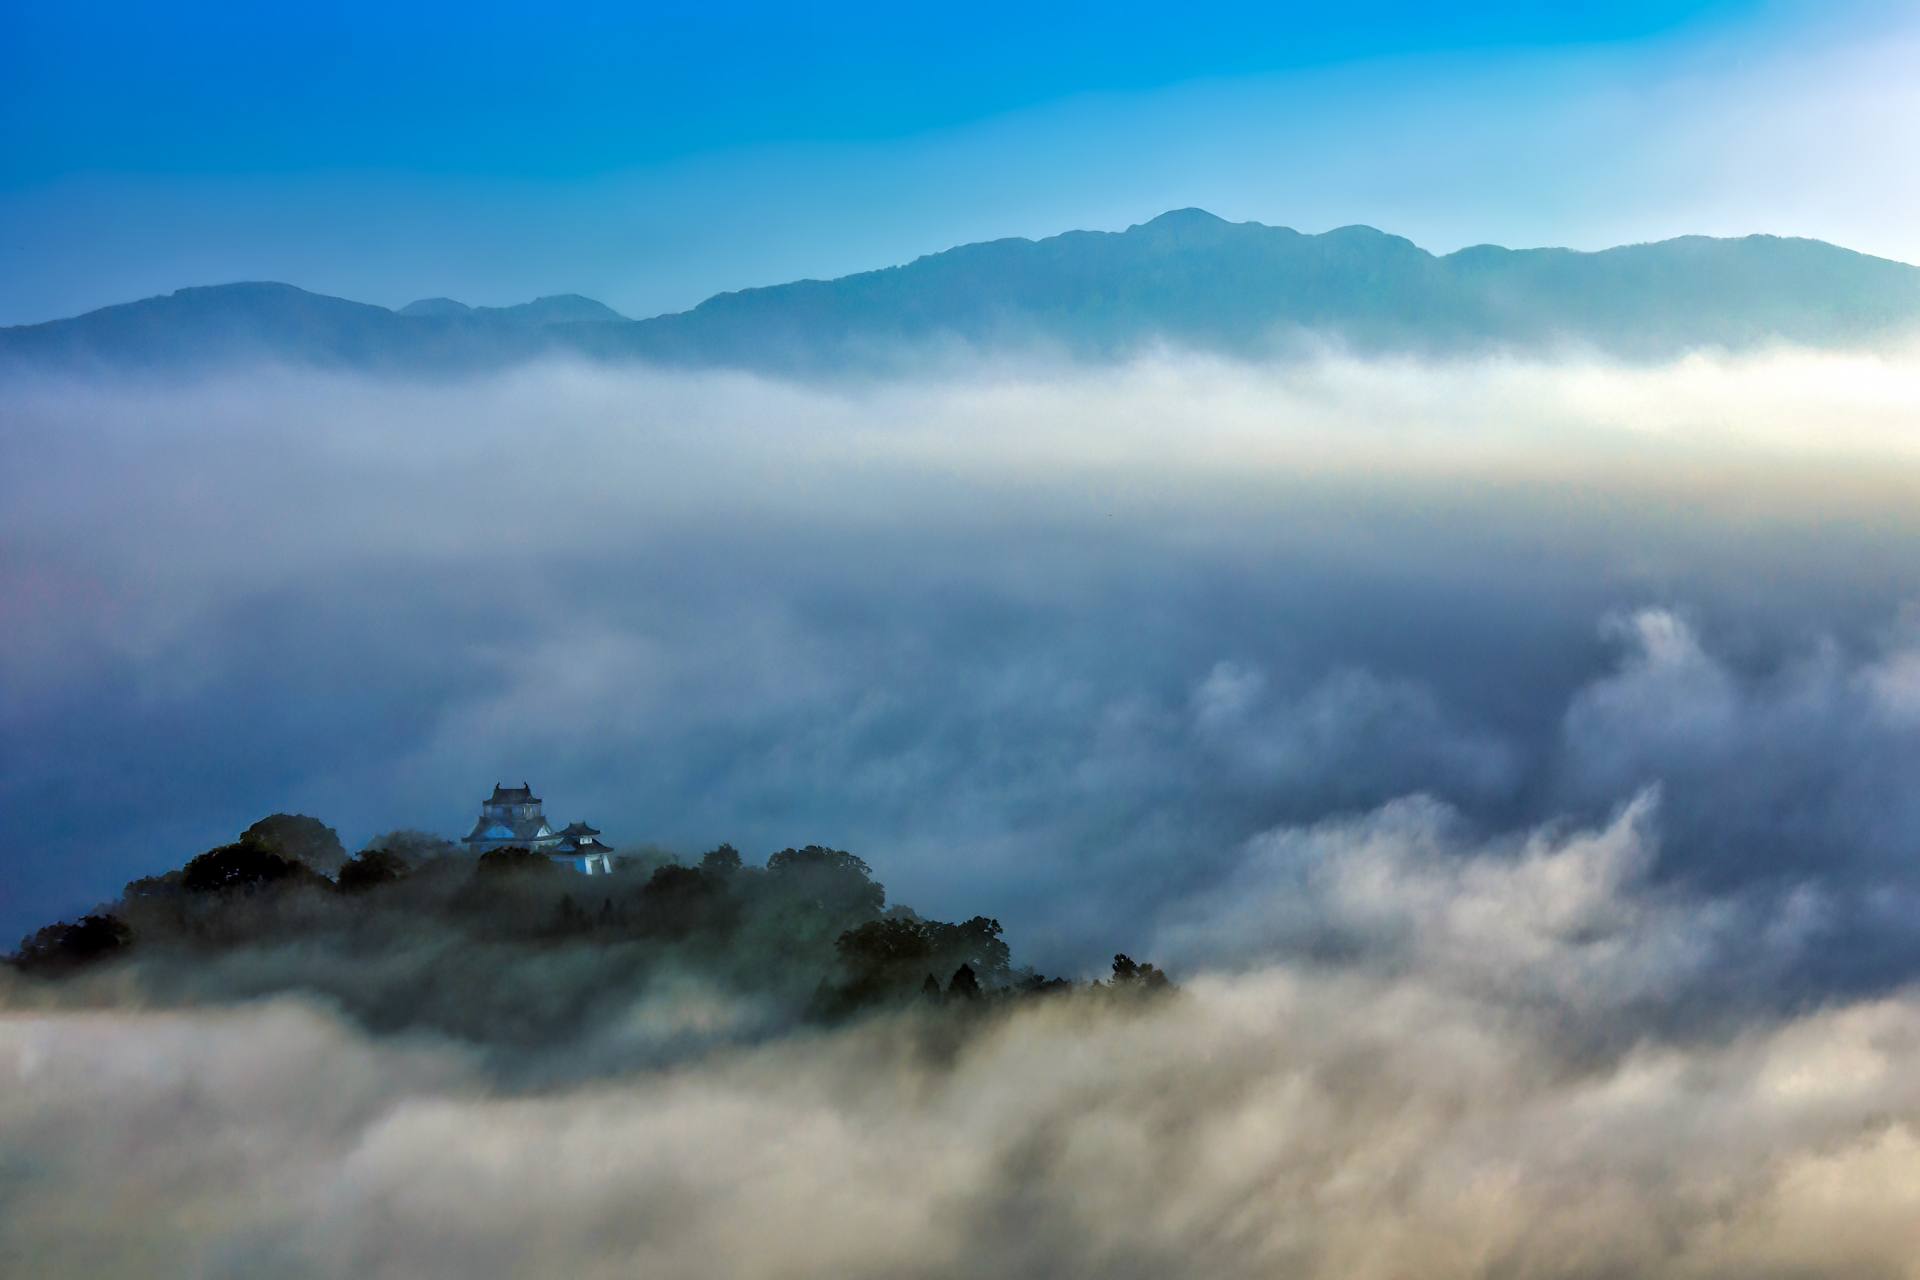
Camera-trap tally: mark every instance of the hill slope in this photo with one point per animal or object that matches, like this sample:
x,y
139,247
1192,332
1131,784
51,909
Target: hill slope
x,y
1187,278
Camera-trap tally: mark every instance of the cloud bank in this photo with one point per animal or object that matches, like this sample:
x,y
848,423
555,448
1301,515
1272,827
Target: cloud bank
x,y
1449,1096
1510,760
1050,645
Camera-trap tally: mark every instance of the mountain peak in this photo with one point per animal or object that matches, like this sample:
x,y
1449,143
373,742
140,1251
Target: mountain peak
x,y
435,307
558,308
1182,219
1187,278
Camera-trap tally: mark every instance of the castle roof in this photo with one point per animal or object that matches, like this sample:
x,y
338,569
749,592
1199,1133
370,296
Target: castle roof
x,y
522,794
580,829
516,830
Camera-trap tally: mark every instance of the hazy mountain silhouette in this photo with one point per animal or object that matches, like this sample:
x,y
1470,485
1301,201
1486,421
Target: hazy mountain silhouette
x,y
557,309
1186,278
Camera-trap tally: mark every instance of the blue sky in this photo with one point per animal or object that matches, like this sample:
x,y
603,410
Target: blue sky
x,y
651,155
535,90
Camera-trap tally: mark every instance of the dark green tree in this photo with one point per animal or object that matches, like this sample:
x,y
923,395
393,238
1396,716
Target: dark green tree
x,y
242,866
836,881
975,943
371,867
720,863
880,952
1129,975
885,959
412,846
298,838
963,984
63,947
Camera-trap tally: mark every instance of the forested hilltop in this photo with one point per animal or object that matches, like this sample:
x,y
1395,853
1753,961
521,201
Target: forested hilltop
x,y
510,949
1186,279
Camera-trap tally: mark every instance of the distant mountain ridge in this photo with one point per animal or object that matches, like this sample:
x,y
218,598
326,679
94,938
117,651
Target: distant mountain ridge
x,y
560,308
1186,278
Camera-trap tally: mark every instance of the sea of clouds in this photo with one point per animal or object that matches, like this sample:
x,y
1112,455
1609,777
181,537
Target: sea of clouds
x,y
1512,760
1467,1089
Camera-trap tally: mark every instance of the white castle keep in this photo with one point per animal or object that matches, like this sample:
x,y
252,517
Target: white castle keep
x,y
511,818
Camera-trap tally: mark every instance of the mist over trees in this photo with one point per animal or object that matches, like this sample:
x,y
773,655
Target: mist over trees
x,y
512,950
63,947
300,838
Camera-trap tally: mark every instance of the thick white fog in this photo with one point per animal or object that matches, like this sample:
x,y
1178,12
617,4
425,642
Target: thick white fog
x,y
1047,642
1450,1097
1513,762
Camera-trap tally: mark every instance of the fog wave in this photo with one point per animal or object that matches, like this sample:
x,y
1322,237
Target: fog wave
x,y
1510,761
1443,1098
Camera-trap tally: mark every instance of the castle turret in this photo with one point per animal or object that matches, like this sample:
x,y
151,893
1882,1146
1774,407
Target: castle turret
x,y
511,818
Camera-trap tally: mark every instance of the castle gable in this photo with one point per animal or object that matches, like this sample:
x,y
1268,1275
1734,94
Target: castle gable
x,y
512,816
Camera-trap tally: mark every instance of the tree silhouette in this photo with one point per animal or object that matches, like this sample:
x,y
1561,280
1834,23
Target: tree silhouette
x,y
59,948
813,920
298,838
371,867
674,880
833,879
242,866
412,846
514,860
880,946
721,863
976,943
1131,976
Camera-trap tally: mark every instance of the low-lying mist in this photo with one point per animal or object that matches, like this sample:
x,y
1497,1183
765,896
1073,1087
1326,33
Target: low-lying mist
x,y
1046,643
1466,1089
1512,763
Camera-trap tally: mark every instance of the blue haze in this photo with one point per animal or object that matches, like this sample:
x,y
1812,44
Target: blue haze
x,y
650,159
1027,641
